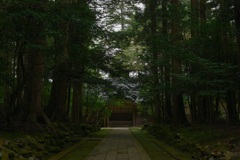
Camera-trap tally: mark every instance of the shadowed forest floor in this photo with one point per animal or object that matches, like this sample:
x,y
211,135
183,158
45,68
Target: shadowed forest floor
x,y
203,142
192,142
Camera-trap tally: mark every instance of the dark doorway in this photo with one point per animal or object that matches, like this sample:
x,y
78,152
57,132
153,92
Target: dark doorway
x,y
121,117
121,120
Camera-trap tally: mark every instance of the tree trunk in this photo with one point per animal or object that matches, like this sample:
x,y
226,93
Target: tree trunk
x,y
157,103
216,114
57,106
202,109
168,106
193,106
194,18
202,100
81,105
231,107
31,79
34,85
20,78
194,35
230,94
179,116
69,90
203,16
56,109
32,97
17,94
237,21
6,84
75,102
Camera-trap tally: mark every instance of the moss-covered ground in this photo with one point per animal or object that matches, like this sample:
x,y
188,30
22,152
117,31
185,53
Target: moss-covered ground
x,y
202,141
199,141
204,134
84,147
35,141
11,135
156,148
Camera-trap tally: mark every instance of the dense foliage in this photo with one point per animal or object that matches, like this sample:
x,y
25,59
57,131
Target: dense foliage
x,y
191,60
50,56
169,56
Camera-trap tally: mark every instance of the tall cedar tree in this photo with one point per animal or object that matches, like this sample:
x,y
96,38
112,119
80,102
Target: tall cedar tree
x,y
179,116
168,105
230,94
154,49
30,65
237,21
194,36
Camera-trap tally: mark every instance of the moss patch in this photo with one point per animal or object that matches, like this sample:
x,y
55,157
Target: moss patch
x,y
209,142
156,148
85,148
42,141
11,134
203,134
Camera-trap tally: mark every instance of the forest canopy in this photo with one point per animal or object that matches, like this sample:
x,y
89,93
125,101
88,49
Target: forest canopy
x,y
63,60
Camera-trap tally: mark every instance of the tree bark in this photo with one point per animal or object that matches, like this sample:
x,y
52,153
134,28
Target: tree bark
x,y
56,109
32,98
154,49
30,84
194,18
179,116
202,100
6,84
231,107
34,85
194,35
75,102
203,7
230,94
168,106
57,106
69,90
193,106
237,21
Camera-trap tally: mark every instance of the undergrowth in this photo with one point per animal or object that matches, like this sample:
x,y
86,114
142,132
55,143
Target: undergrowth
x,y
199,140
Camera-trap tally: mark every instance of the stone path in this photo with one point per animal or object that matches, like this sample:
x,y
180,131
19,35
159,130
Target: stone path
x,y
120,144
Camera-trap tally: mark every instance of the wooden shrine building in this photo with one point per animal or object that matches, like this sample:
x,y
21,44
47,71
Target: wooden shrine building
x,y
124,115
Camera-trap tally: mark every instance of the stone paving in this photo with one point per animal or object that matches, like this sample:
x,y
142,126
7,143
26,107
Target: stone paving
x,y
120,144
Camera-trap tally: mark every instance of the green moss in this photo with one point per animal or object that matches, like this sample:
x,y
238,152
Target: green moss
x,y
202,141
23,152
53,149
33,143
51,139
10,134
83,149
14,147
204,135
102,133
156,148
